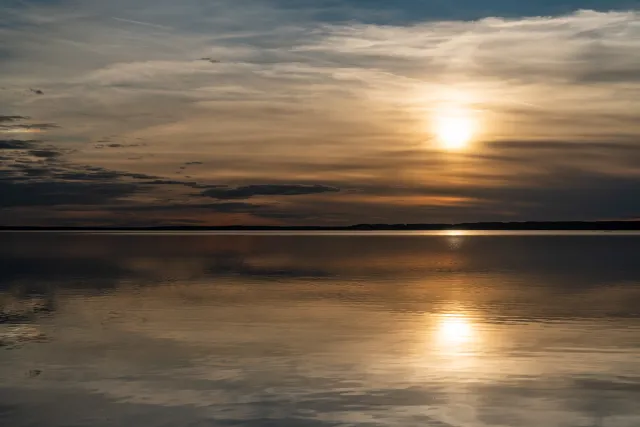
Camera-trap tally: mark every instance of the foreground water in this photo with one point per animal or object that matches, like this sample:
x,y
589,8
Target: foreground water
x,y
324,330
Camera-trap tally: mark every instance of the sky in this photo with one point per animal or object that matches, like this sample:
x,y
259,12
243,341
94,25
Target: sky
x,y
327,112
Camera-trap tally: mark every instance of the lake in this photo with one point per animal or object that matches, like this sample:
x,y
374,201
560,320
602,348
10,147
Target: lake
x,y
448,329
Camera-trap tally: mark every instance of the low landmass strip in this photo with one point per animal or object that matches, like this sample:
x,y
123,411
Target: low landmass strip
x,y
527,225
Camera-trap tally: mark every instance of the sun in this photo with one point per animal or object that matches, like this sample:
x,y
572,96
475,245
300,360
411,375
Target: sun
x,y
454,128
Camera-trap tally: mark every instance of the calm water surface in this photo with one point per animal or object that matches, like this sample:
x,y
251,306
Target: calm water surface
x,y
323,330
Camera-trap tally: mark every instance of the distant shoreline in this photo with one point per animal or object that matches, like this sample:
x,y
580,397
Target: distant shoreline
x,y
479,226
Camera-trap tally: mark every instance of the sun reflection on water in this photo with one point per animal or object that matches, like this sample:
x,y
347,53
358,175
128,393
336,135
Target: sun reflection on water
x,y
454,331
455,238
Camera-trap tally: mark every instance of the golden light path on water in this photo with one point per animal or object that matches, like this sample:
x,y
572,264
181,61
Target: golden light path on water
x,y
454,330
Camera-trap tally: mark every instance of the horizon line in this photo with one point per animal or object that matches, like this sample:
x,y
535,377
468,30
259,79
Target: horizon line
x,y
480,225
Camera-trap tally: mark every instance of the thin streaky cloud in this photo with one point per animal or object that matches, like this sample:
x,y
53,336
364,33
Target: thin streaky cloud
x,y
147,24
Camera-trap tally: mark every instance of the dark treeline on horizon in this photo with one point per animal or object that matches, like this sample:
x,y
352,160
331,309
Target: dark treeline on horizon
x,y
525,225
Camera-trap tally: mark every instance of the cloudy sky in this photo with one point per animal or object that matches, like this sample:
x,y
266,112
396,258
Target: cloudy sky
x,y
318,112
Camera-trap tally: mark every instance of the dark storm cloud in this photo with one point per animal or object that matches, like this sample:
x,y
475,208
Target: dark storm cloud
x,y
17,144
249,191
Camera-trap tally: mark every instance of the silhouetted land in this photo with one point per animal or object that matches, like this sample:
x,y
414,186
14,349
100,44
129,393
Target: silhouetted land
x,y
530,225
